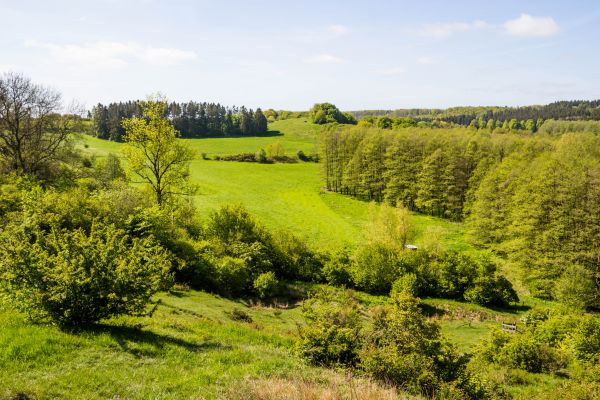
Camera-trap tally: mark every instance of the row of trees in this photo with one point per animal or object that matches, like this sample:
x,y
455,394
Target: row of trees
x,y
425,170
565,110
190,119
535,199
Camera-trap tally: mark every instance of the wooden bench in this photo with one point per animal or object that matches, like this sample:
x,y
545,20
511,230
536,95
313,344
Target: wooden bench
x,y
510,328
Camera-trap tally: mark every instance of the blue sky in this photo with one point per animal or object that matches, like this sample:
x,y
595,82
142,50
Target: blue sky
x,y
291,54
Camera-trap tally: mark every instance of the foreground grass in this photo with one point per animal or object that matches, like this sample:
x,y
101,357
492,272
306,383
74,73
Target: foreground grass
x,y
191,348
194,348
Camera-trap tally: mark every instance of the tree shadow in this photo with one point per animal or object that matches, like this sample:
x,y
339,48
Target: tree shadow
x,y
143,343
237,135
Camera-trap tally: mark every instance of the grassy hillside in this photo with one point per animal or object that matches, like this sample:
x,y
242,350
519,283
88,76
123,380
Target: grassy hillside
x,y
192,348
285,196
195,347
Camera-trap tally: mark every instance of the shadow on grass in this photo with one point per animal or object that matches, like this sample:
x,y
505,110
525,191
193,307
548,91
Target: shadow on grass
x,y
142,343
237,136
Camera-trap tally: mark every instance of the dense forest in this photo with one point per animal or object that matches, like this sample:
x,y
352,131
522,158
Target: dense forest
x,y
535,199
192,119
563,110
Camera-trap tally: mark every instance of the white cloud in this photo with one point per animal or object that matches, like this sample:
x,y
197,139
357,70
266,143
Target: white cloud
x,y
338,30
7,68
393,71
166,56
446,29
111,55
526,25
324,59
425,60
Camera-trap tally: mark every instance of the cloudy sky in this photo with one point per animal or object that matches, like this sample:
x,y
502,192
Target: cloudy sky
x,y
291,54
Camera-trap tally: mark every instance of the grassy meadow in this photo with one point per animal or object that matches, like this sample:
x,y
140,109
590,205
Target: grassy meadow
x,y
202,346
286,196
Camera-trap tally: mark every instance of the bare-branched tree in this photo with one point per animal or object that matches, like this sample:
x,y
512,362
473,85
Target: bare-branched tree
x,y
33,131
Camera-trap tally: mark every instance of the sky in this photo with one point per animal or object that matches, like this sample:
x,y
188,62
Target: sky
x,y
291,54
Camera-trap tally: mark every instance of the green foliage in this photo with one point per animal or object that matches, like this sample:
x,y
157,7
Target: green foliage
x,y
332,334
404,348
491,291
406,284
232,276
336,270
324,113
233,223
374,268
74,278
586,339
153,152
577,288
266,285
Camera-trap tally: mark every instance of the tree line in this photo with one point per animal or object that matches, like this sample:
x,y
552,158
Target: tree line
x,y
191,119
561,110
532,198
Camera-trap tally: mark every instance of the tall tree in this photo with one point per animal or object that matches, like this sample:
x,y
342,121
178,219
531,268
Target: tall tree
x,y
154,152
33,134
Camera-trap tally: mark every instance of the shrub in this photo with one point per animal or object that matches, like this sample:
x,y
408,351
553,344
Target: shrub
x,y
238,314
491,291
332,335
527,353
586,339
234,223
266,285
336,269
74,278
405,284
232,276
294,258
404,348
374,268
576,288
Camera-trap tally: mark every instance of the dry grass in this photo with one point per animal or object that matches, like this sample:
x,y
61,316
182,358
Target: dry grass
x,y
335,388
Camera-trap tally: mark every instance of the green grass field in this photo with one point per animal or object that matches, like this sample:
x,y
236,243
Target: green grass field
x,y
190,348
286,196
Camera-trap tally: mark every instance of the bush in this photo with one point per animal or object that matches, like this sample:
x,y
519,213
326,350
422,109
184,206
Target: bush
x,y
527,353
266,285
375,268
491,291
404,348
336,269
74,278
586,339
234,223
405,284
332,334
232,276
576,288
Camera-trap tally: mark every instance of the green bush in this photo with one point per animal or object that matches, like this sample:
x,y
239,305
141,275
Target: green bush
x,y
586,339
491,291
266,285
73,278
577,288
407,284
232,276
336,269
233,223
374,268
331,336
526,352
404,348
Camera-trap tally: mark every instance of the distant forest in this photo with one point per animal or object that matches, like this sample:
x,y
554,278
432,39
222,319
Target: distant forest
x,y
191,119
562,110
